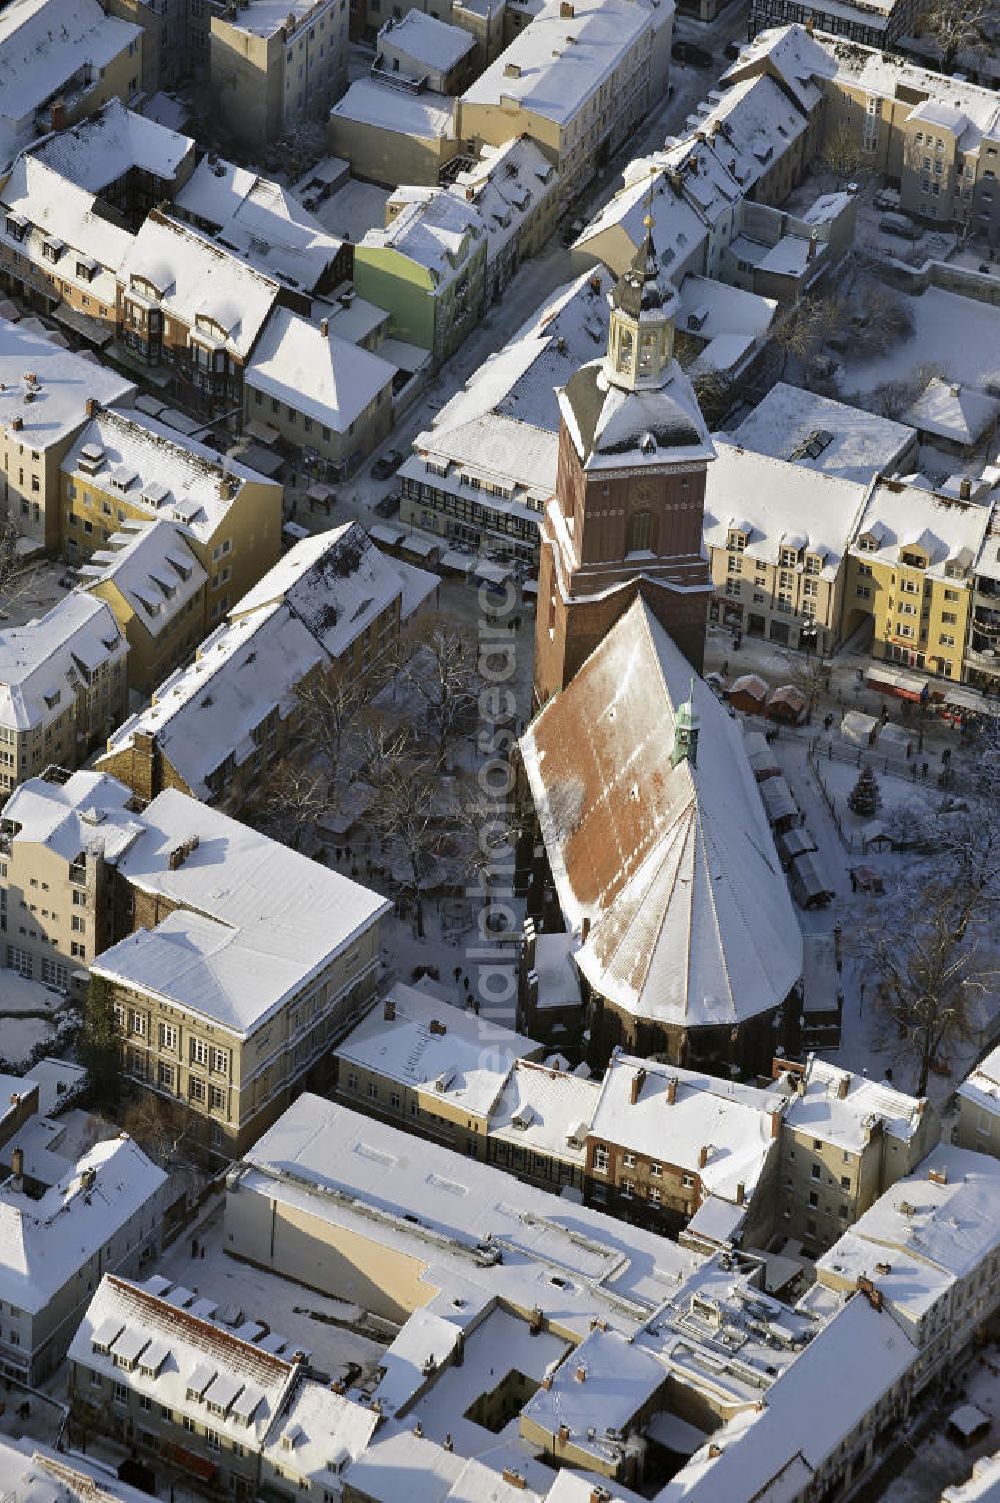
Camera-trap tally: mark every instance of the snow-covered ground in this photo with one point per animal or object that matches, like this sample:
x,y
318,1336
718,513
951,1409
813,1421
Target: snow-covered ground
x,y
936,1461
313,1322
956,335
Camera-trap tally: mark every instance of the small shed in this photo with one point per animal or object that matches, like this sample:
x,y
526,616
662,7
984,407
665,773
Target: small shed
x,y
809,881
760,756
779,805
874,837
794,843
895,739
967,1424
748,693
787,705
858,728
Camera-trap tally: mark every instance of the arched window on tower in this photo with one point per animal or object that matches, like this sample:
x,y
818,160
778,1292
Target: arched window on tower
x,y
640,532
626,351
647,353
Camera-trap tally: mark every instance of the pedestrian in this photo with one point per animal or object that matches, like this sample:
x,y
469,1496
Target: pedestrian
x,y
725,668
925,769
854,881
458,974
203,1249
194,1247
946,756
913,771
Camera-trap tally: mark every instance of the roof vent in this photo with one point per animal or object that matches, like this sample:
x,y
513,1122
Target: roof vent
x,y
512,70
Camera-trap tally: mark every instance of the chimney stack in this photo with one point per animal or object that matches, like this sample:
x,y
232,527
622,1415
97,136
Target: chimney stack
x,y
843,1086
324,327
636,1084
741,1193
17,423
702,1156
581,1373
671,1090
93,407
965,488
17,1165
938,1176
389,1010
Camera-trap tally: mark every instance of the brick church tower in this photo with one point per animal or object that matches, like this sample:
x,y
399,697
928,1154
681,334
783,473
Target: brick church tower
x,y
626,518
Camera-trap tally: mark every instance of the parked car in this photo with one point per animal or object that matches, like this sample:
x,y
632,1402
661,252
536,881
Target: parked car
x,y
572,232
388,505
886,199
899,224
387,465
690,52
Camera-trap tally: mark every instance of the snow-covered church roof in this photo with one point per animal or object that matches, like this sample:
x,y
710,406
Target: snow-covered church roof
x,y
668,873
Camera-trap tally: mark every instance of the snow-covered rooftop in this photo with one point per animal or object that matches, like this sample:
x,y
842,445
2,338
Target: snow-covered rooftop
x,y
176,1352
612,427
959,104
947,1213
89,812
428,1203
981,1086
153,567
428,116
433,1474
254,919
40,659
430,1046
781,504
819,433
733,1122
264,18
750,127
546,1111
198,280
426,40
329,379
270,229
773,1448
55,404
44,1242
168,475
506,185
795,56
674,867
434,229
839,1107
46,44
709,309
215,190
553,66
960,414
599,1392
317,1435
504,424
98,150
950,533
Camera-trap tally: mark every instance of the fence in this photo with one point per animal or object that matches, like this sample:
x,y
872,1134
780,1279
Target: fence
x,y
908,769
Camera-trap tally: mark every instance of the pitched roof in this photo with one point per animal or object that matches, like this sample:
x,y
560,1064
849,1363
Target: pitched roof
x,y
611,427
38,659
674,868
98,150
329,379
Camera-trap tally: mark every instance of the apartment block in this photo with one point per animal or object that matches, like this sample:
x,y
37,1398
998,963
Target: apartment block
x,y
227,996
845,1140
875,23
428,267
663,1142
47,395
63,686
778,560
104,1214
577,80
978,1102
516,190
230,1406
273,67
61,60
434,1069
60,838
187,303
940,1288
911,569
150,577
334,603
121,473
320,392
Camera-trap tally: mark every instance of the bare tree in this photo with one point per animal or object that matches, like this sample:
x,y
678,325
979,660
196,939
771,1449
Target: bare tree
x,y
714,390
843,156
405,777
443,674
330,703
158,1128
958,24
878,317
16,577
808,327
290,800
810,674
925,959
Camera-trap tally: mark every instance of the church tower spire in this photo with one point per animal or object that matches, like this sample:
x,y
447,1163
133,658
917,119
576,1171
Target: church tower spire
x,y
626,518
641,331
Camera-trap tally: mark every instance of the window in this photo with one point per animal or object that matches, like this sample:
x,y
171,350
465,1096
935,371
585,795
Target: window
x,y
165,1075
79,925
217,1098
984,1124
737,541
600,1159
815,1171
813,1198
628,1160
687,1180
121,1393
627,1189
735,564
656,1171
168,1036
640,531
220,1061
845,1183
199,1052
137,1023
196,1089
372,1089
655,1196
352,1081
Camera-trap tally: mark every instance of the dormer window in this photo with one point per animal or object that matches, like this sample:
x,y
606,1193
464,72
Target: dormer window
x,y
789,558
867,543
913,560
17,226
737,541
814,563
